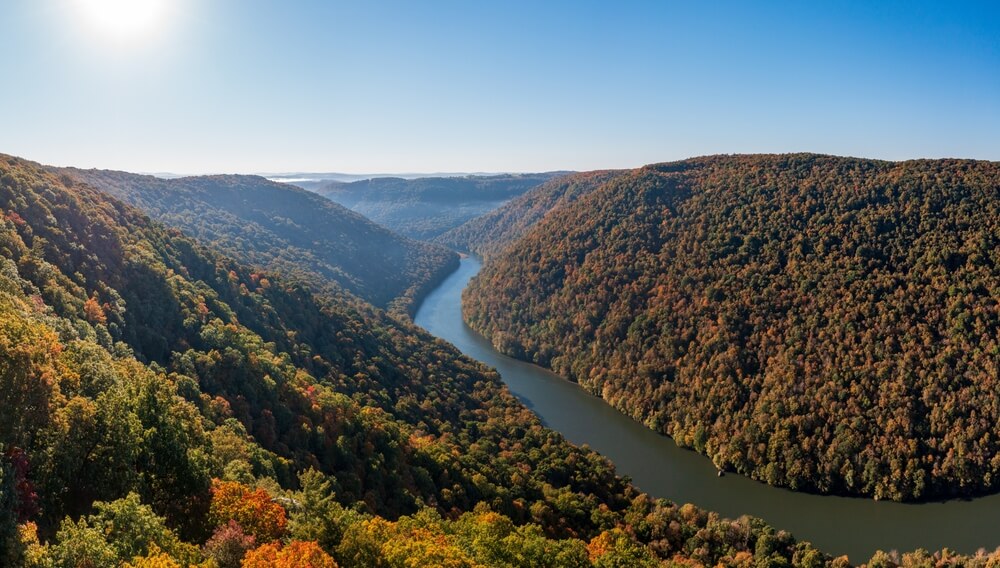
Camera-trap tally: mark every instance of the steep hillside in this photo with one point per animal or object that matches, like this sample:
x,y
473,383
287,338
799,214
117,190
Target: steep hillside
x,y
492,232
286,230
164,405
826,324
423,208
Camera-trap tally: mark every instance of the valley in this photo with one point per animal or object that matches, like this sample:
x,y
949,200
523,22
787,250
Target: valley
x,y
166,404
424,208
495,284
300,390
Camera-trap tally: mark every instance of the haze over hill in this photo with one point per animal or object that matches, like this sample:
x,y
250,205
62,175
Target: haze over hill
x,y
285,229
426,207
821,323
490,233
311,180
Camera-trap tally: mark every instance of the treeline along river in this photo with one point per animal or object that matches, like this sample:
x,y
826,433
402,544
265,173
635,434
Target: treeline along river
x,y
839,525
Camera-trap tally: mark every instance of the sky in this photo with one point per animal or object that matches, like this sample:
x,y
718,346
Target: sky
x,y
223,86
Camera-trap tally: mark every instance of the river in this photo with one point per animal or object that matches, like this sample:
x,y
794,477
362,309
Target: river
x,y
838,525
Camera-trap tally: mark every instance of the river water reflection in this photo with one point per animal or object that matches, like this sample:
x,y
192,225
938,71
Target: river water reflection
x,y
837,525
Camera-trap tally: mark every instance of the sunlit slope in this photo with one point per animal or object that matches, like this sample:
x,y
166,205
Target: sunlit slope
x,y
154,390
822,323
285,229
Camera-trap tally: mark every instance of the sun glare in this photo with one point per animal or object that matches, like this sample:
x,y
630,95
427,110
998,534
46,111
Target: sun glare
x,y
123,19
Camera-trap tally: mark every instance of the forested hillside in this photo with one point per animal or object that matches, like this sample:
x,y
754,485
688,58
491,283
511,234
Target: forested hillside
x,y
423,208
826,324
492,232
163,405
286,230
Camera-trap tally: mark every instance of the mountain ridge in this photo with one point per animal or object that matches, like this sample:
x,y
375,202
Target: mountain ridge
x,y
286,229
668,291
426,207
491,232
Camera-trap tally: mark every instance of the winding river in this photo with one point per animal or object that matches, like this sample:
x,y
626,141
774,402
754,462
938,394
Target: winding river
x,y
838,525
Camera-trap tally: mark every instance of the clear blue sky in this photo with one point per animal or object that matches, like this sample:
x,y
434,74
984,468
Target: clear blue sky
x,y
423,86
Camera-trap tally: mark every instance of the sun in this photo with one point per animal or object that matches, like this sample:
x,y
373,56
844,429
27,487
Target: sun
x,y
123,19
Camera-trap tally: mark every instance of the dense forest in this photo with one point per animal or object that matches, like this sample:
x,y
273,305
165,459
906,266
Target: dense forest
x,y
285,230
490,233
164,405
423,208
819,323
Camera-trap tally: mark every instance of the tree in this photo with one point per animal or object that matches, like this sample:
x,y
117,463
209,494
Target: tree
x,y
253,509
93,312
155,559
296,554
616,549
81,546
317,516
228,545
29,375
117,532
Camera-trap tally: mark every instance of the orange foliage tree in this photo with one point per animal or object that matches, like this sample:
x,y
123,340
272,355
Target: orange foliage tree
x,y
253,509
296,554
93,311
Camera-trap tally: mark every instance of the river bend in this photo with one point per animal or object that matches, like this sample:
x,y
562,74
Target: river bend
x,y
838,525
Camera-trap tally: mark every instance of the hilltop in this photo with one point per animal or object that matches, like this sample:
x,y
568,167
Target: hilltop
x,y
820,323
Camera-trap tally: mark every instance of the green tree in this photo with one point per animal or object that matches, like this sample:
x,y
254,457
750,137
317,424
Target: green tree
x,y
316,515
116,533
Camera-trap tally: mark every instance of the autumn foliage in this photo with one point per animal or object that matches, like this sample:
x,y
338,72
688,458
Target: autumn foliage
x,y
93,311
228,545
137,365
253,509
295,554
285,229
820,323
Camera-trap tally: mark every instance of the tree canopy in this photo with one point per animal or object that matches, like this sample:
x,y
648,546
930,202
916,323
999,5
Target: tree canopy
x,y
165,405
285,230
820,323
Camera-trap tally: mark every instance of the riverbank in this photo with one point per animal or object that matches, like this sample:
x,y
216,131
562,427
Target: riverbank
x,y
839,525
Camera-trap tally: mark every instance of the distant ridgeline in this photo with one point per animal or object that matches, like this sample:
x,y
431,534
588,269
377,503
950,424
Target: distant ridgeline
x,y
423,208
820,323
164,405
287,230
489,234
